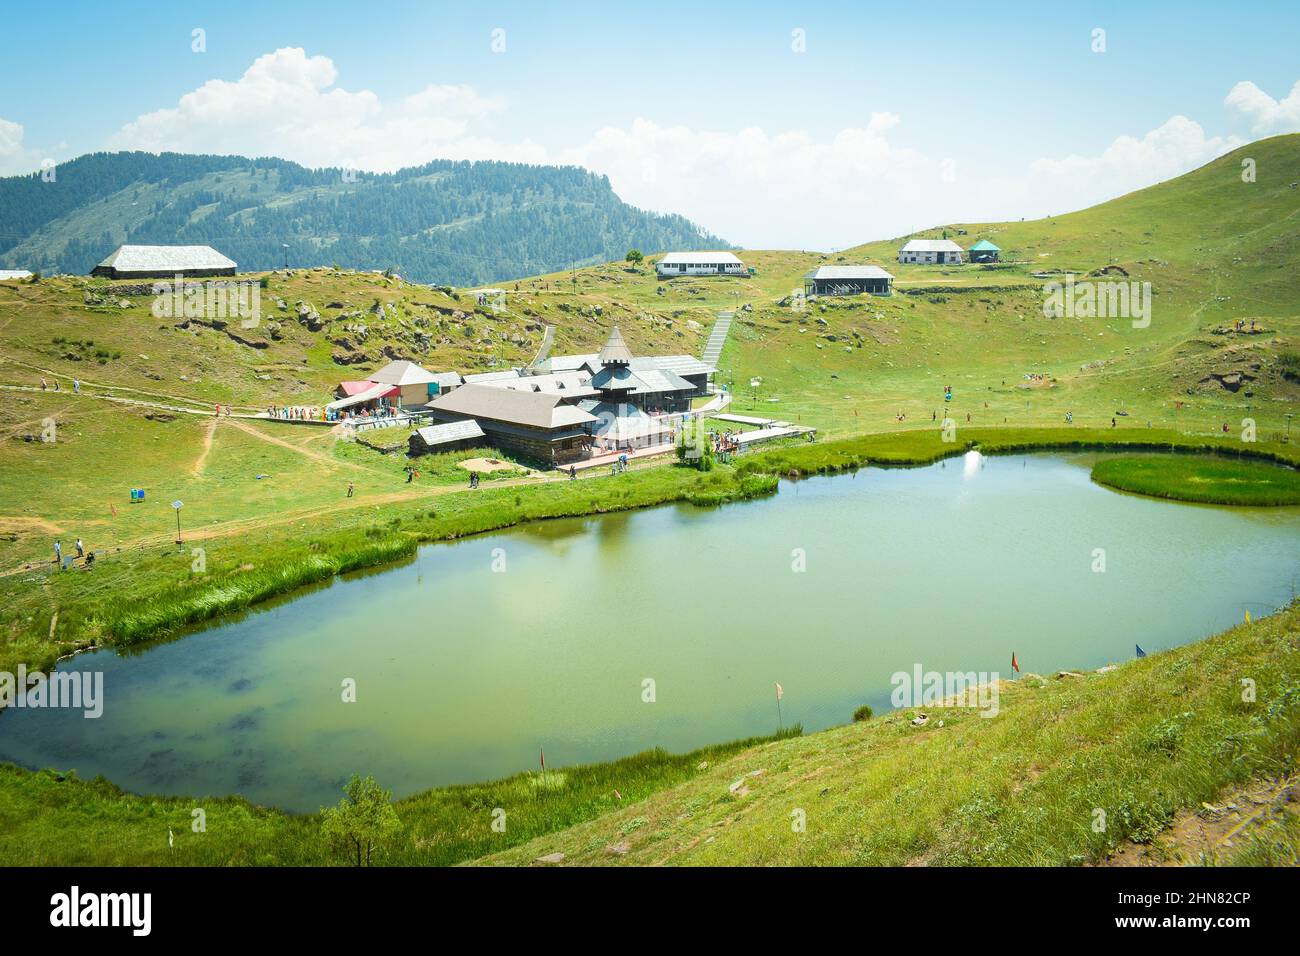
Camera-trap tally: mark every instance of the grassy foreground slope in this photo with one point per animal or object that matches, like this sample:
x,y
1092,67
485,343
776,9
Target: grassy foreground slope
x,y
1141,743
49,818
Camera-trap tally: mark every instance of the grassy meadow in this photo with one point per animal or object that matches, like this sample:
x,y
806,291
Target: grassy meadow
x,y
1204,480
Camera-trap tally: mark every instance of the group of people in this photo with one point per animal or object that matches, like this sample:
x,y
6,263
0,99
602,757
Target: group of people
x,y
723,443
45,386
383,410
82,554
294,413
1240,326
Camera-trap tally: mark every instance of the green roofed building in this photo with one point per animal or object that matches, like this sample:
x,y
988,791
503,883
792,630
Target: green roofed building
x,y
984,251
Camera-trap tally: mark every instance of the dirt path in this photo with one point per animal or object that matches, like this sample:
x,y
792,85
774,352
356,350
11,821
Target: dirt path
x,y
15,524
87,384
305,452
207,447
244,525
1212,832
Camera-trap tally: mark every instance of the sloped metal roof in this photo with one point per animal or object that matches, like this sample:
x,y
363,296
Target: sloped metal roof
x,y
677,364
403,372
165,259
931,245
450,432
848,272
535,409
699,259
480,378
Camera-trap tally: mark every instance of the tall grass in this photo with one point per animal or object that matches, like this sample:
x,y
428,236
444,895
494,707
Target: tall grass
x,y
129,621
50,817
1201,479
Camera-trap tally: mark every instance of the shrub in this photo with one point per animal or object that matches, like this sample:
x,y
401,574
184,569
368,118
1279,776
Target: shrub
x,y
1289,365
863,713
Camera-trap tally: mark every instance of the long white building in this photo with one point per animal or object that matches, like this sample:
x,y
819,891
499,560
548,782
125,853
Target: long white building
x,y
699,264
938,251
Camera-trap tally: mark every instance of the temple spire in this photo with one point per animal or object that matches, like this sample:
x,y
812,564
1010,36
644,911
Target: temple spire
x,y
615,351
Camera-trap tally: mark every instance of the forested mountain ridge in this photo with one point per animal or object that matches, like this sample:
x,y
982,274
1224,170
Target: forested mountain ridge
x,y
461,223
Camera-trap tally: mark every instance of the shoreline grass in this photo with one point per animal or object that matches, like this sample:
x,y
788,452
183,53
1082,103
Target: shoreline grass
x,y
1208,481
46,816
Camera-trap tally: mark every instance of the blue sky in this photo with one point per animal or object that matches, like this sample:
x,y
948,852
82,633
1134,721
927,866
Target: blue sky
x,y
892,117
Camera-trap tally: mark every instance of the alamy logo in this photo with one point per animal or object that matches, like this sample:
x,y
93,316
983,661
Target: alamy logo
x,y
72,909
922,688
71,689
227,301
1098,300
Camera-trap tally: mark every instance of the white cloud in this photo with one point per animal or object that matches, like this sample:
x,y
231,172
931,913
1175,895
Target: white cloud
x,y
1267,115
15,157
762,188
286,104
11,138
782,190
1177,146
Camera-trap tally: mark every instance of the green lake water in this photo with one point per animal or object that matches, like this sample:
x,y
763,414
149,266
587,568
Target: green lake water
x,y
464,672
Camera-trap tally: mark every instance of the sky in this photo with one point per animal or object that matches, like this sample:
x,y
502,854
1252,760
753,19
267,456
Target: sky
x,y
773,125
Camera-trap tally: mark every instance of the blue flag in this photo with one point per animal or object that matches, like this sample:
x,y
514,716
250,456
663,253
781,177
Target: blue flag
x,y
1140,652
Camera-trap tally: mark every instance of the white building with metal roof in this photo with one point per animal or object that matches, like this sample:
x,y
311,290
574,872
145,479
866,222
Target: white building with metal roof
x,y
163,262
699,264
848,280
931,251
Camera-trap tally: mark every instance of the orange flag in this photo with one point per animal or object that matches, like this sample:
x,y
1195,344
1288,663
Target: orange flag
x,y
1014,665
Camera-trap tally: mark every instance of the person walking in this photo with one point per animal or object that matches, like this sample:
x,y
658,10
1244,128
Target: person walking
x,y
58,553
349,489
573,473
76,386
81,549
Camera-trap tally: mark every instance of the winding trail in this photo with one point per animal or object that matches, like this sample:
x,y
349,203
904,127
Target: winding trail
x,y
208,433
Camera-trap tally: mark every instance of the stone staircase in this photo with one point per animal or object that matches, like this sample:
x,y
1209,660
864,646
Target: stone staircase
x,y
717,339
